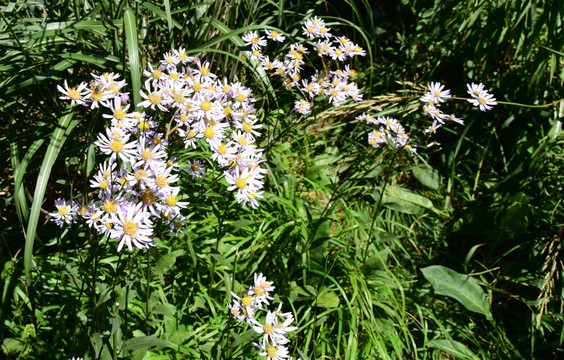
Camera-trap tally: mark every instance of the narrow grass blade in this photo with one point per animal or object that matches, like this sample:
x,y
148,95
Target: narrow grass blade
x,y
130,27
64,126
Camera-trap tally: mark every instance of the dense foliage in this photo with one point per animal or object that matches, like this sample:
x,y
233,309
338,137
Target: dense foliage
x,y
452,251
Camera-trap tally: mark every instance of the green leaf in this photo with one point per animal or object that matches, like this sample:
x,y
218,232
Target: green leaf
x,y
427,176
454,348
328,299
144,342
462,287
406,201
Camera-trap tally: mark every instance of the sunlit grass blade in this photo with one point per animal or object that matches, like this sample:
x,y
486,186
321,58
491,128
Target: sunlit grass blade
x,y
130,27
64,126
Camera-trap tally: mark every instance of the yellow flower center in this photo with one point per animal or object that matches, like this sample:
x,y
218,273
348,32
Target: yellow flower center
x,y
271,351
169,60
191,134
258,290
247,127
144,126
160,181
178,97
155,98
104,185
146,154
268,329
208,133
247,301
240,183
482,101
242,141
156,74
141,174
73,94
226,89
195,167
110,206
274,34
241,97
129,228
171,200
204,71
183,117
116,145
82,210
119,114
63,210
197,87
221,149
206,105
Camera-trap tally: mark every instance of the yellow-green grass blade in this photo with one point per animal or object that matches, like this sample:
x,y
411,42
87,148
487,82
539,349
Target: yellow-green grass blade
x,y
130,28
64,126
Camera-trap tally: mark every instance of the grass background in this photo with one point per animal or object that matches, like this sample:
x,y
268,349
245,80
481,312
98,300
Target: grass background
x,y
344,230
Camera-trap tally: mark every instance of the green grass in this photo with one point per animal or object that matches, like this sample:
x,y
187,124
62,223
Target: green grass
x,y
344,230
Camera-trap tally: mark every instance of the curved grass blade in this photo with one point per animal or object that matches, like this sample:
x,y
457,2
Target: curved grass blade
x,y
130,28
64,126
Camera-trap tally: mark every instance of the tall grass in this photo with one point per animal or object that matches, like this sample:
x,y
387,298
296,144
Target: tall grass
x,y
344,230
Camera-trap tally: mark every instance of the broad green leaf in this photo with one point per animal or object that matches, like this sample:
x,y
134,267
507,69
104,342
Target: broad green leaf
x,y
328,299
454,348
462,287
427,176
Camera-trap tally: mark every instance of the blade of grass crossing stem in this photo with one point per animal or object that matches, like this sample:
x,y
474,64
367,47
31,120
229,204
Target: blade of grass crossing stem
x,y
58,136
130,28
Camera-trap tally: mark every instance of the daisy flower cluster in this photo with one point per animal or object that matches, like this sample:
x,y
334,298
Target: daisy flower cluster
x,y
212,114
273,328
135,185
333,84
437,95
389,132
